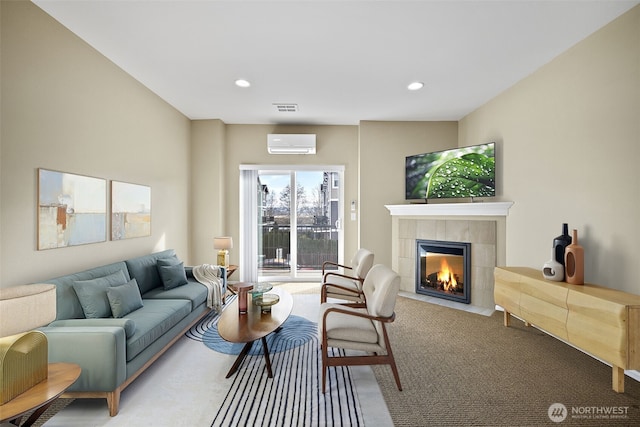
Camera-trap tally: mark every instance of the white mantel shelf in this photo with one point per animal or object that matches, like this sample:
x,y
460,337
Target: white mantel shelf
x,y
451,209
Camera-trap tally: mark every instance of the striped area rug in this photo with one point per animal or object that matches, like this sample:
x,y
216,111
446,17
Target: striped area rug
x,y
293,397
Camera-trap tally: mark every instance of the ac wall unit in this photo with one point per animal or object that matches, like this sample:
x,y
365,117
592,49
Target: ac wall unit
x,y
291,143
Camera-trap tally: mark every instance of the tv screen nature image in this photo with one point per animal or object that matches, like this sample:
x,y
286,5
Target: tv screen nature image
x,y
455,173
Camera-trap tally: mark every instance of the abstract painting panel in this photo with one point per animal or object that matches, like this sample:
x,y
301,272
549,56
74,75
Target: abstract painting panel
x,y
130,210
72,209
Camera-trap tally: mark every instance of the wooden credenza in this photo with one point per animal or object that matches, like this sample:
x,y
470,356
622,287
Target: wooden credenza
x,y
600,321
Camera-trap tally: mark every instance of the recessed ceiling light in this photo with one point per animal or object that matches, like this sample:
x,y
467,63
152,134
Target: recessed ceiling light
x,y
415,86
242,83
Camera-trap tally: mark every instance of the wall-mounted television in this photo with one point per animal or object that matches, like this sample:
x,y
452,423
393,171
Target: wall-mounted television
x,y
450,174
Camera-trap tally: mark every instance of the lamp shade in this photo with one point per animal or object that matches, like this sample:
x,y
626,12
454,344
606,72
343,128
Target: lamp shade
x,y
24,352
26,307
223,243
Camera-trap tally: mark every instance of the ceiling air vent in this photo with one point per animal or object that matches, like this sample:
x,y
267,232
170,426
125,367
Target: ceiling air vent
x,y
286,108
291,143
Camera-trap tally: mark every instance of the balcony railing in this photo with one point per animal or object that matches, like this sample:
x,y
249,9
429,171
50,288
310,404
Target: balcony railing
x,y
316,244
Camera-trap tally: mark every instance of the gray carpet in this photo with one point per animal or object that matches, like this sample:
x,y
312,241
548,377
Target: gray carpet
x,y
463,369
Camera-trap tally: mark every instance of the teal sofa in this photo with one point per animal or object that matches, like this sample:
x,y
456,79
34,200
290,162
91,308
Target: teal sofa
x,y
115,331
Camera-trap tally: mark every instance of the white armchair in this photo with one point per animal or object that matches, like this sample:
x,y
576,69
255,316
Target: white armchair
x,y
346,286
361,327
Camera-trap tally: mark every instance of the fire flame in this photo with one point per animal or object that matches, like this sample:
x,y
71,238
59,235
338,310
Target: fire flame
x,y
446,277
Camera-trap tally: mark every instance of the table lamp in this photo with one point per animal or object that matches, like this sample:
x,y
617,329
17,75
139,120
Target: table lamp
x,y
24,356
223,244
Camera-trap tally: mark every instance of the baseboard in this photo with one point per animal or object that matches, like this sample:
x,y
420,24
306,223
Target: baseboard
x,y
633,374
629,373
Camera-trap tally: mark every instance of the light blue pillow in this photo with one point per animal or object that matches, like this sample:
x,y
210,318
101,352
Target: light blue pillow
x,y
172,273
168,261
92,294
124,299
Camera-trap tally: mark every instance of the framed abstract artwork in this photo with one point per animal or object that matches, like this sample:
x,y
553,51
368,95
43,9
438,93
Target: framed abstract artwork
x,y
130,210
72,209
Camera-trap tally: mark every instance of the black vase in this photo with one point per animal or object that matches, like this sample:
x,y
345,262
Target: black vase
x,y
560,243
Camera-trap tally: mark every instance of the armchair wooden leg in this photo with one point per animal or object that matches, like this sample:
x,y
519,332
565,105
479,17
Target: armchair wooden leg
x,y
395,373
392,360
325,362
324,378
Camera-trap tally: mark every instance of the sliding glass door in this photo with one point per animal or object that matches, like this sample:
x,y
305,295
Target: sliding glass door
x,y
298,225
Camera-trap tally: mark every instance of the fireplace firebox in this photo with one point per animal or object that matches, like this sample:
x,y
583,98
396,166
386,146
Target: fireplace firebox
x,y
443,269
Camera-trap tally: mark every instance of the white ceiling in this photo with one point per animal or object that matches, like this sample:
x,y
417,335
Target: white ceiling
x,y
340,61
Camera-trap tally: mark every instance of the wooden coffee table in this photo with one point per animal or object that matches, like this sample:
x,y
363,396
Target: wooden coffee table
x,y
253,325
39,397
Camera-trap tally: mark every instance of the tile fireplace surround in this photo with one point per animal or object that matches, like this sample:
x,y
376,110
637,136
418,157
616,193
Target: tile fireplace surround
x,y
483,224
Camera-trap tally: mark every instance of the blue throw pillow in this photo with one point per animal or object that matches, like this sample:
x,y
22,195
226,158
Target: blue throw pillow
x,y
172,273
92,294
124,298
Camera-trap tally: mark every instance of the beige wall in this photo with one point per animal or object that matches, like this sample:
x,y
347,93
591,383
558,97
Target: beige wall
x,y
66,107
208,188
382,151
71,109
247,144
569,150
568,139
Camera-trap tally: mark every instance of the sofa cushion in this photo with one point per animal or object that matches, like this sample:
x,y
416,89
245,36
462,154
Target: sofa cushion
x,y
172,273
193,291
67,303
92,294
128,325
145,270
124,299
341,326
155,318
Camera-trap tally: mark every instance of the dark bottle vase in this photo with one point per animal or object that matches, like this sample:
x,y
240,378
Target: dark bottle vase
x,y
560,244
574,262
